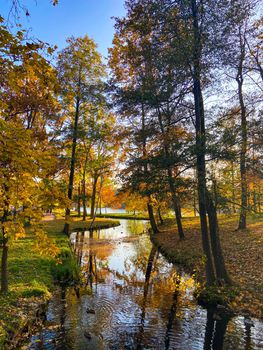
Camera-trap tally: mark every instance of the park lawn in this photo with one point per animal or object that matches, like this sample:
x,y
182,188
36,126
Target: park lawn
x,y
30,278
242,251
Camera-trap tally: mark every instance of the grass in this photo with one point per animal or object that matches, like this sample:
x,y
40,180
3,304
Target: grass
x,y
31,279
242,252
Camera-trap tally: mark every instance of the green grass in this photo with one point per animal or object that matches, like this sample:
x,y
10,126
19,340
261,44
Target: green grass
x,y
31,276
67,272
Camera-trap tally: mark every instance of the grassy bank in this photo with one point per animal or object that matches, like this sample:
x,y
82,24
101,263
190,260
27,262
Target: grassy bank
x,y
243,257
124,216
30,276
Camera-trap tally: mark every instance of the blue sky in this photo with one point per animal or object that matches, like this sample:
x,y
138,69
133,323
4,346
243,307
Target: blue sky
x,y
53,24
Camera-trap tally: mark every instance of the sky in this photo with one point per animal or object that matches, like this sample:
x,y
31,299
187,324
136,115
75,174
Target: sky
x,y
53,24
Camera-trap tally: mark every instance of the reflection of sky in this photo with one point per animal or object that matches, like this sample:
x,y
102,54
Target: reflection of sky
x,y
120,296
126,228
125,316
122,253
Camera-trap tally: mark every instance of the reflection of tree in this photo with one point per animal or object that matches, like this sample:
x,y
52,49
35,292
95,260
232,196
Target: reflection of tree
x,y
215,330
172,312
92,263
138,263
161,287
62,317
145,292
92,269
136,227
78,246
248,343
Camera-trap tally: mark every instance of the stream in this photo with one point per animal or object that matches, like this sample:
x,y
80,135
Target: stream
x,y
134,299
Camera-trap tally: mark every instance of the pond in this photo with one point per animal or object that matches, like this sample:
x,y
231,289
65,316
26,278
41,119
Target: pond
x,y
134,299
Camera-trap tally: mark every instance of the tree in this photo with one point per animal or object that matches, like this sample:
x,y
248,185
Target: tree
x,y
191,37
28,105
147,85
97,149
80,72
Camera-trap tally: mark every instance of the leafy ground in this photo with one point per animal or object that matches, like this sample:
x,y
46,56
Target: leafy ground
x,y
30,278
242,251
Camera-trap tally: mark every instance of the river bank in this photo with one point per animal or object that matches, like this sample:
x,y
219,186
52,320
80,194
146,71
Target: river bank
x,y
31,281
124,216
243,257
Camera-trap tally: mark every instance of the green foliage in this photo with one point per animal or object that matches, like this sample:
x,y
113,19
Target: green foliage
x,y
66,271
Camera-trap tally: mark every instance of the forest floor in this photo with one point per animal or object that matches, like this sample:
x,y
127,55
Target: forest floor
x,y
242,252
30,277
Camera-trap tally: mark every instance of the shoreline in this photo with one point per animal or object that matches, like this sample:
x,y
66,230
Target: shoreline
x,y
123,216
245,296
31,282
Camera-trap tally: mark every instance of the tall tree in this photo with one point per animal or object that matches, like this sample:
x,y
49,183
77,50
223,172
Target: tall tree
x,y
80,72
27,107
194,37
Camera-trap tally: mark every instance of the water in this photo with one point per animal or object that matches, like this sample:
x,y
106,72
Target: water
x,y
134,299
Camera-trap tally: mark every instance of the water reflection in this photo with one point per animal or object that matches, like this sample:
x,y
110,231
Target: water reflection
x,y
172,313
132,298
216,327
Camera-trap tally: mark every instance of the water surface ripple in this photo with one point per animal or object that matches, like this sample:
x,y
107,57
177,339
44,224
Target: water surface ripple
x,y
134,299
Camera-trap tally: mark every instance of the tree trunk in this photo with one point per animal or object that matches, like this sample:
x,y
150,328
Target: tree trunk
x,y
79,199
144,154
160,215
215,192
175,200
178,220
4,273
72,165
195,208
259,200
100,206
152,218
219,262
93,197
84,200
176,206
233,188
200,146
243,152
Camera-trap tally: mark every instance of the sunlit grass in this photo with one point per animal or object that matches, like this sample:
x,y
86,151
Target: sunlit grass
x,y
30,275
